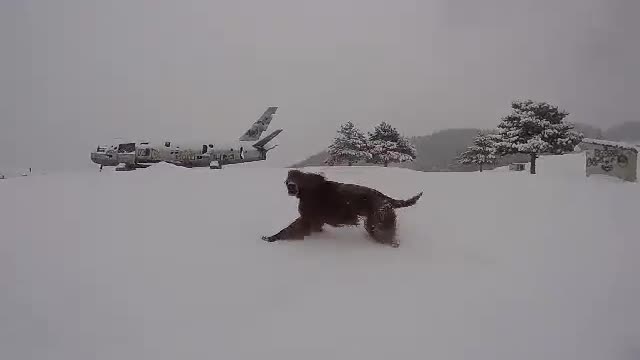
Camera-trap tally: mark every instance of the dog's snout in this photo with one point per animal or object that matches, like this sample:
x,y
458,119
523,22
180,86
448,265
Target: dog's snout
x,y
291,187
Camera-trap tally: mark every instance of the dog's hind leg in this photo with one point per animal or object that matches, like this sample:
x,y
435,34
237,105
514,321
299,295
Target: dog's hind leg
x,y
316,226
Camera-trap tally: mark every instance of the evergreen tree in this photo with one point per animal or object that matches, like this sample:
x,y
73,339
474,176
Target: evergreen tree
x,y
483,151
349,146
536,128
388,146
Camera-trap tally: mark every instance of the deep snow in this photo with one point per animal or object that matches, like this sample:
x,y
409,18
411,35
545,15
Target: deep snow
x,y
167,263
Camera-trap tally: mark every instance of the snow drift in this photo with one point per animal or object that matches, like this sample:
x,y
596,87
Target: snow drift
x,y
167,263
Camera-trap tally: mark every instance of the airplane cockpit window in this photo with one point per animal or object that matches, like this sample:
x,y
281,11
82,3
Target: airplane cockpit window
x,y
167,143
211,145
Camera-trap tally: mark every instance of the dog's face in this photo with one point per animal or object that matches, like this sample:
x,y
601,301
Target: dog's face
x,y
297,181
292,187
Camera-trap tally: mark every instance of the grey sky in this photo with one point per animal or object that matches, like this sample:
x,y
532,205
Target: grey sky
x,y
77,73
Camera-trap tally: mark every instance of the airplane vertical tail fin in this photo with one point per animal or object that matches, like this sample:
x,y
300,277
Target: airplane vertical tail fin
x,y
260,125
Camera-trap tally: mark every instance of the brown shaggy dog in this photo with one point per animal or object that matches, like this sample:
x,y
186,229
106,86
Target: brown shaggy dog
x,y
338,204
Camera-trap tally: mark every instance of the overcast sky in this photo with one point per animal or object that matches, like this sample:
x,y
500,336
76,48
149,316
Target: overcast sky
x,y
78,73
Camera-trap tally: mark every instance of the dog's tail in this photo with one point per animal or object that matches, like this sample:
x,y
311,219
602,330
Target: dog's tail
x,y
405,203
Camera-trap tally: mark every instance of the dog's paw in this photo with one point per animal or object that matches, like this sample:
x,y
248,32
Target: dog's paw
x,y
395,244
269,238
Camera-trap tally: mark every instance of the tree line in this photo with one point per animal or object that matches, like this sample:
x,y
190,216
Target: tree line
x,y
533,127
384,145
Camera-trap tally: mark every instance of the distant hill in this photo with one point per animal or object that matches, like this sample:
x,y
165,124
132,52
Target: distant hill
x,y
628,131
438,151
313,160
589,131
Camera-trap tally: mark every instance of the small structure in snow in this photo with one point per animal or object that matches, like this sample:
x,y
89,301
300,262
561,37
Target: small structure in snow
x,y
610,158
517,166
124,167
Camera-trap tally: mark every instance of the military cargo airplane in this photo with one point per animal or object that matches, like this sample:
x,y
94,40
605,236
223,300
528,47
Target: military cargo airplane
x,y
248,148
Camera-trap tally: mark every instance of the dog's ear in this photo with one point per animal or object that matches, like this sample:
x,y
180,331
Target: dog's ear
x,y
305,180
313,180
293,173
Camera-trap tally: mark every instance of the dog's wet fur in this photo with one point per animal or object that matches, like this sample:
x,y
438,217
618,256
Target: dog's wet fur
x,y
337,204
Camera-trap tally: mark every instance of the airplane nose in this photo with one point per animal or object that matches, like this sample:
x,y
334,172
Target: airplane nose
x,y
97,158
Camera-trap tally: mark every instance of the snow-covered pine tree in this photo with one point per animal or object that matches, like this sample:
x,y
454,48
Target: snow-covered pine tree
x,y
388,146
349,146
536,128
483,151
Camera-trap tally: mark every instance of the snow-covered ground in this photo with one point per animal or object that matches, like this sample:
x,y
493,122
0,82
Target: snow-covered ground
x,y
167,263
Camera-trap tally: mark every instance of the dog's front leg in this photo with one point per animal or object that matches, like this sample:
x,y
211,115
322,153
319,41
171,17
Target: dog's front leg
x,y
296,230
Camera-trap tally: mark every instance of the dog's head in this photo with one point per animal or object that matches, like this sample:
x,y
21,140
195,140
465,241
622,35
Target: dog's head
x,y
298,182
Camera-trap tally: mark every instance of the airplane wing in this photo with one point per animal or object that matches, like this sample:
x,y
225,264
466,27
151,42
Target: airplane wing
x,y
260,144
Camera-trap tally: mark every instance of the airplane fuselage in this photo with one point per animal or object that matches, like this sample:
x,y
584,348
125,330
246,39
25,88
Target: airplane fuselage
x,y
249,147
189,155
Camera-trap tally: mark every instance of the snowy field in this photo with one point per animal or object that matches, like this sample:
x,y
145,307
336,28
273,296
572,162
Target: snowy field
x,y
167,263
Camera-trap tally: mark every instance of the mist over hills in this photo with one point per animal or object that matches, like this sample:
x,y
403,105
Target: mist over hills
x,y
628,131
439,150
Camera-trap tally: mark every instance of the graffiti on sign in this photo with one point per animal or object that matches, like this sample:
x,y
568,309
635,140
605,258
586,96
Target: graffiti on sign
x,y
607,159
623,161
611,159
